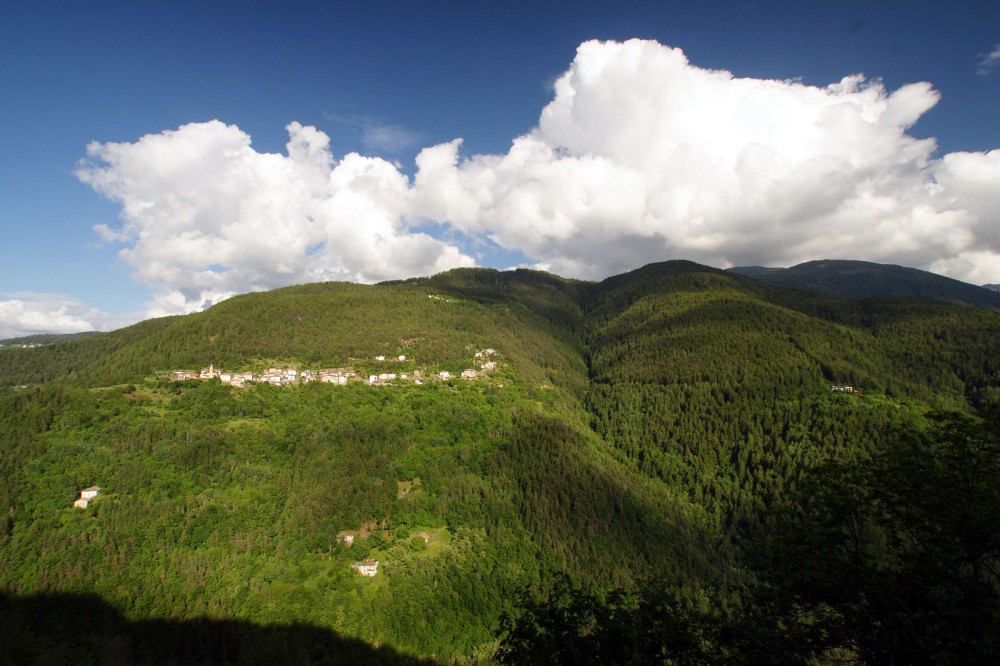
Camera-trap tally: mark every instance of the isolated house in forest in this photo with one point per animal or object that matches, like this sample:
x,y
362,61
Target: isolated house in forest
x,y
366,567
86,495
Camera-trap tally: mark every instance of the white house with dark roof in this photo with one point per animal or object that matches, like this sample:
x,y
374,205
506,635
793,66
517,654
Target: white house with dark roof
x,y
366,567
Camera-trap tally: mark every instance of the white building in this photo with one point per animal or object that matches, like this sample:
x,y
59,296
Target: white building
x,y
86,495
366,567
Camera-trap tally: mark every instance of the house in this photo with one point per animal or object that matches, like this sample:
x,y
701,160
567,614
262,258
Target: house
x,y
469,374
373,379
366,567
489,365
346,539
380,358
86,495
842,389
444,374
401,358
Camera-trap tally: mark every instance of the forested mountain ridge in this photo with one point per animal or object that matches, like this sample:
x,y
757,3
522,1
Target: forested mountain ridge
x,y
325,324
863,279
646,430
43,339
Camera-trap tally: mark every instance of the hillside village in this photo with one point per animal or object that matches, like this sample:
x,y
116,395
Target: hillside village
x,y
484,361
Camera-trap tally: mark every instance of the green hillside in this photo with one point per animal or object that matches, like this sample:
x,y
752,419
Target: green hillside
x,y
43,339
638,446
863,279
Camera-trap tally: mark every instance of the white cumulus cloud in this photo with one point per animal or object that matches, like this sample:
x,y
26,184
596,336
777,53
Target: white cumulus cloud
x,y
27,313
205,216
640,156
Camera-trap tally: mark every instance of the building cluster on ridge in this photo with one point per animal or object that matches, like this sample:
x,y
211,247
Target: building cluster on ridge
x,y
483,360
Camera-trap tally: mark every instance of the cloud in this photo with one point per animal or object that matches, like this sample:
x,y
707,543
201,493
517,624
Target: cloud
x,y
988,61
388,138
376,135
642,156
639,157
204,216
27,313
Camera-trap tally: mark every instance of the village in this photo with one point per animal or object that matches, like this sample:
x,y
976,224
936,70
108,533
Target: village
x,y
484,360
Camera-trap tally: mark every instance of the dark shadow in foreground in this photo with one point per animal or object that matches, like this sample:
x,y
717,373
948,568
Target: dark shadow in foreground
x,y
85,629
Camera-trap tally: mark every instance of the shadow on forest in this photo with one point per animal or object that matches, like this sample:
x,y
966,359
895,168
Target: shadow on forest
x,y
83,628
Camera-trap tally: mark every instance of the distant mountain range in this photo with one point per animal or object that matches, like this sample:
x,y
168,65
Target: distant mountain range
x,y
863,279
44,339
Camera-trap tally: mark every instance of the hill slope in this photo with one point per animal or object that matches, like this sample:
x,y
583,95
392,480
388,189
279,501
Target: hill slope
x,y
640,427
862,279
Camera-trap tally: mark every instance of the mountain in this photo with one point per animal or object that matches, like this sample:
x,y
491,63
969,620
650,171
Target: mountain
x,y
862,279
44,339
642,428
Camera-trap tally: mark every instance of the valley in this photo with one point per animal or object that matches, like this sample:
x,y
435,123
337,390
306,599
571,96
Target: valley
x,y
641,450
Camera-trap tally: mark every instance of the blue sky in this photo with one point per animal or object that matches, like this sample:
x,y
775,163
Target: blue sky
x,y
389,80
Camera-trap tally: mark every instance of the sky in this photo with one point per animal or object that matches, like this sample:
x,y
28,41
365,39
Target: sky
x,y
159,157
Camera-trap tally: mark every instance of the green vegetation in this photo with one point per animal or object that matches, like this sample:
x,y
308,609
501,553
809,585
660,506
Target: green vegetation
x,y
44,339
661,446
889,559
863,279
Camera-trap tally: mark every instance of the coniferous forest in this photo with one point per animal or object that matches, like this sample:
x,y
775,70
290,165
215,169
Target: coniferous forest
x,y
674,465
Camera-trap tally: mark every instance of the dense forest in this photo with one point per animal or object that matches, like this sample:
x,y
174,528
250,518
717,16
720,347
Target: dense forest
x,y
658,471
